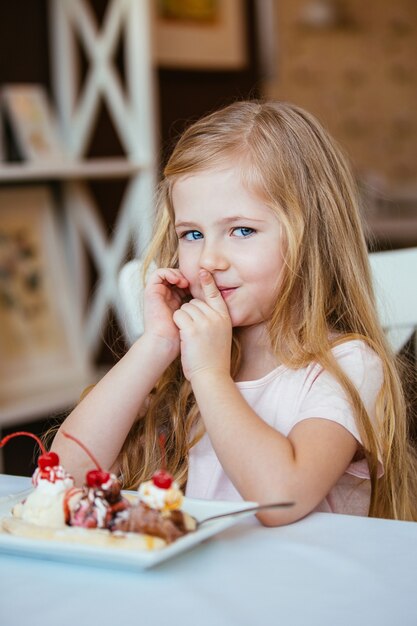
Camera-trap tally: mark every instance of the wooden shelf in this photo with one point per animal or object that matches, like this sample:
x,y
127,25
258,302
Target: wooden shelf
x,y
69,170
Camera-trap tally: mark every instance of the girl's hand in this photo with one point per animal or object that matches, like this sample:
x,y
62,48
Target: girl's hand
x,y
164,293
205,331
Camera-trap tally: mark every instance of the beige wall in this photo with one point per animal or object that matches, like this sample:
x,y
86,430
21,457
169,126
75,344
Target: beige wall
x,y
359,78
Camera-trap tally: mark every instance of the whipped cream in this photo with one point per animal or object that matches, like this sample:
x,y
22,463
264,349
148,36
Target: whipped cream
x,y
45,505
53,475
160,499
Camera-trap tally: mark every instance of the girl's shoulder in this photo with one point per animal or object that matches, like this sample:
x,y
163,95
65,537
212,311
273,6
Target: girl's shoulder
x,y
355,351
359,362
363,366
354,355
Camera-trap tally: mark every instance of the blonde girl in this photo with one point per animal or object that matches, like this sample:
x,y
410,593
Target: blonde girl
x,y
262,359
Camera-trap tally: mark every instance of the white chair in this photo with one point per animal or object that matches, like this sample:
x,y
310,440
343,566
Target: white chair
x,y
395,282
131,296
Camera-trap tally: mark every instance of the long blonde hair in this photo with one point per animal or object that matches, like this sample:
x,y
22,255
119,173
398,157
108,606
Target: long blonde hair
x,y
291,162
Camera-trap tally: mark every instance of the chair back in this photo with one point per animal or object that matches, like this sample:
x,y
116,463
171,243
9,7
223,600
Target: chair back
x,y
395,283
131,297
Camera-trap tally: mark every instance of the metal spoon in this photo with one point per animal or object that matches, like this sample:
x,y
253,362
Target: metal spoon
x,y
251,509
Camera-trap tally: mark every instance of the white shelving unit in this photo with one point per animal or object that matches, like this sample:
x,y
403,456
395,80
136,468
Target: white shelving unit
x,y
131,107
77,170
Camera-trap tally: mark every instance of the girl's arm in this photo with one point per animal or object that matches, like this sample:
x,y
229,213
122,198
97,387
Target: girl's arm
x,y
104,417
264,465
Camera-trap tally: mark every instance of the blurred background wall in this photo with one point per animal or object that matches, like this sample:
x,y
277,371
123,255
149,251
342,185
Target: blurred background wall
x,y
352,64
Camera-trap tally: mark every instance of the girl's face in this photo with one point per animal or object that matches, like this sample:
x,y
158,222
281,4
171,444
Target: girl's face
x,y
230,232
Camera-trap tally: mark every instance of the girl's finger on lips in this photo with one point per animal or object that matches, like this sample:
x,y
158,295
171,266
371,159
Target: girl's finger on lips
x,y
212,294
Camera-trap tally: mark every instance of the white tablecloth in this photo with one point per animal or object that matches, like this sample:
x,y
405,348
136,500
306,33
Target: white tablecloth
x,y
324,570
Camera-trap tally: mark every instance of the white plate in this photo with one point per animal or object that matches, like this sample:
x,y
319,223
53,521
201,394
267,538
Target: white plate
x,y
112,557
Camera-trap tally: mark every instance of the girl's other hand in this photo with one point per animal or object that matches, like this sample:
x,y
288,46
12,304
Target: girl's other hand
x,y
165,292
205,331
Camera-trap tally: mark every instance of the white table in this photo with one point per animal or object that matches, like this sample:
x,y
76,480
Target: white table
x,y
324,570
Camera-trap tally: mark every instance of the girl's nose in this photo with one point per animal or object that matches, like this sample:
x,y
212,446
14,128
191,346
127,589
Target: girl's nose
x,y
213,258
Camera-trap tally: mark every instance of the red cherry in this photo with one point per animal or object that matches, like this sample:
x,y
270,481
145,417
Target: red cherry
x,y
96,478
162,479
48,460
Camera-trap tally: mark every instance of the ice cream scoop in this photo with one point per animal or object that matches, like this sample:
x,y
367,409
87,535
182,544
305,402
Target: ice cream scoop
x,y
167,498
99,503
44,506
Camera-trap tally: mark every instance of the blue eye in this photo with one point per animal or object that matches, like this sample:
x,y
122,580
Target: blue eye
x,y
243,231
192,235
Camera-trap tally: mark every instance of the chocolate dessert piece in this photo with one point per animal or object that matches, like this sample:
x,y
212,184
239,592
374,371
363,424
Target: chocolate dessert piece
x,y
168,525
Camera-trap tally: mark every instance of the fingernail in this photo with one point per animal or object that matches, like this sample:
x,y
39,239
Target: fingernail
x,y
204,274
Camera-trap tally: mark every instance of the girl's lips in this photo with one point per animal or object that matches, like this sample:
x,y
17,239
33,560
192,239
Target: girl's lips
x,y
226,291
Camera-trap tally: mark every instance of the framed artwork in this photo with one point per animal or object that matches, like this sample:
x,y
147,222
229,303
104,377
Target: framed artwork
x,y
41,345
200,34
32,122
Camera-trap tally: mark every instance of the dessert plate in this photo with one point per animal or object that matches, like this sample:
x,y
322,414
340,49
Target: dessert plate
x,y
114,558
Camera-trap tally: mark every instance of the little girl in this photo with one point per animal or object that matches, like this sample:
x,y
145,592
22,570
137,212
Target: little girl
x,y
262,360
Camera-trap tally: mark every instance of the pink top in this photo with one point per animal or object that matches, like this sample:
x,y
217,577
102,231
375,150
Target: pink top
x,y
285,397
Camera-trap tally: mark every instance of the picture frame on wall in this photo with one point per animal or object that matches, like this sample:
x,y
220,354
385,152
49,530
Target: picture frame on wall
x,y
200,35
41,345
32,122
